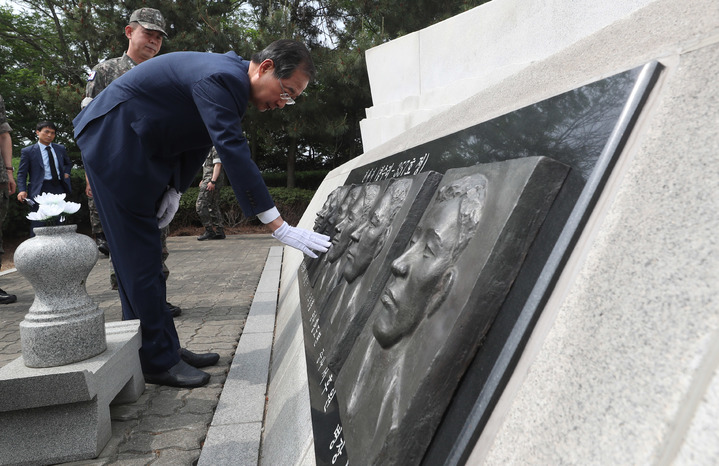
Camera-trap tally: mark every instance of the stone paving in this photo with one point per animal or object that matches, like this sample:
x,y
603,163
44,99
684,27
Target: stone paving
x,y
214,283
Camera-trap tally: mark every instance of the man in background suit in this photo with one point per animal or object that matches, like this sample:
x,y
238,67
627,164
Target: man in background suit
x,y
47,165
152,128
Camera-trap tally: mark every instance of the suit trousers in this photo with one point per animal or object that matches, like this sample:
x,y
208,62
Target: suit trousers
x,y
127,184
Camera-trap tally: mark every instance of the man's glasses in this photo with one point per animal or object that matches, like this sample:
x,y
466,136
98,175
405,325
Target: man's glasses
x,y
285,96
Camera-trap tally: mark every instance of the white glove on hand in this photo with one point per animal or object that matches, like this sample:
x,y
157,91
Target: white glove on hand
x,y
304,240
168,207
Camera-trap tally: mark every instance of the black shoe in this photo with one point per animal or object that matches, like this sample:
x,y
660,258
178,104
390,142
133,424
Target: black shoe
x,y
174,310
102,244
208,234
199,360
7,298
219,234
103,247
180,375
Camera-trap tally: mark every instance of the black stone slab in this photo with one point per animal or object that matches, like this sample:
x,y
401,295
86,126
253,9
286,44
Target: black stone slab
x,y
378,221
584,129
486,377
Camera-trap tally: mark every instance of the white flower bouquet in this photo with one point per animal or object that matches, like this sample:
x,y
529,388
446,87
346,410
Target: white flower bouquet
x,y
51,206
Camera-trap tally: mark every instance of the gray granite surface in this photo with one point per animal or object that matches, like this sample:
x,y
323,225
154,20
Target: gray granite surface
x,y
55,414
625,372
64,325
214,282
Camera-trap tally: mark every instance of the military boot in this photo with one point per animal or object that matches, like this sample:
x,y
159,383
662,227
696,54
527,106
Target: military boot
x,y
102,244
208,234
219,233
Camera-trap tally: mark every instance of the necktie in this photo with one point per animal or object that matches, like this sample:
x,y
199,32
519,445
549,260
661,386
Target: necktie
x,y
53,168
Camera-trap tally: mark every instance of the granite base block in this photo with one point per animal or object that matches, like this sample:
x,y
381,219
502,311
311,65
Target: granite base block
x,y
59,414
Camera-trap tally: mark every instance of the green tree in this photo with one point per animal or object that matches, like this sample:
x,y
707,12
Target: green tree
x,y
48,48
324,130
35,81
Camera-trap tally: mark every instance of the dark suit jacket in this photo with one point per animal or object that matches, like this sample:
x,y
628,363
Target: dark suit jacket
x,y
177,106
31,164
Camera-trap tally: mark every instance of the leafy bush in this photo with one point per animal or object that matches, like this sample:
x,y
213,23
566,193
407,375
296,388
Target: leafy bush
x,y
291,202
16,225
310,179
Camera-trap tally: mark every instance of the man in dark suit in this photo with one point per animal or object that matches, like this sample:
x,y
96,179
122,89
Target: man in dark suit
x,y
144,138
47,165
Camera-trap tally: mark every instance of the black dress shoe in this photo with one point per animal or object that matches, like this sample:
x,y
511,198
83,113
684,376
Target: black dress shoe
x,y
180,375
199,360
7,298
174,310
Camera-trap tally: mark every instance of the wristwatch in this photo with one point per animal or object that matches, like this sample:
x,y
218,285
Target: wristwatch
x,y
212,181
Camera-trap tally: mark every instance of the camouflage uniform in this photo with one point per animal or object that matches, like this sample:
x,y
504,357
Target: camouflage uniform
x,y
101,77
105,73
208,202
4,128
4,190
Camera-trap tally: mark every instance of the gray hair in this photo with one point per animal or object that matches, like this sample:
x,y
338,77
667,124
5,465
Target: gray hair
x,y
472,192
287,55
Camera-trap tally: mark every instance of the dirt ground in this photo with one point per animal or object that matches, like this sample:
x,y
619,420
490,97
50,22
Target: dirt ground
x,y
10,244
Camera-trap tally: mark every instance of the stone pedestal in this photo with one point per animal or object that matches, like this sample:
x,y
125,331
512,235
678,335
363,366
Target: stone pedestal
x,y
60,414
63,325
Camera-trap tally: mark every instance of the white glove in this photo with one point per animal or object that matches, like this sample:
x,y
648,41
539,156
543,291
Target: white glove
x,y
85,102
168,207
304,240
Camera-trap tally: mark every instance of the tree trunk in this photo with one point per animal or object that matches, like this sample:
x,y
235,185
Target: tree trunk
x,y
291,160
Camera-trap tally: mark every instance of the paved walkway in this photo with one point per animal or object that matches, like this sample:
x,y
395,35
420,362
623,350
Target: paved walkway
x,y
214,282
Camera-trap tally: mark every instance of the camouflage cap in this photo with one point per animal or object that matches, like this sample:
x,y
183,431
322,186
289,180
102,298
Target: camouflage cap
x,y
149,18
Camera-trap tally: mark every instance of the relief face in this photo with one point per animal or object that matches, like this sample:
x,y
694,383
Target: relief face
x,y
423,276
444,291
327,216
369,238
379,238
317,268
351,220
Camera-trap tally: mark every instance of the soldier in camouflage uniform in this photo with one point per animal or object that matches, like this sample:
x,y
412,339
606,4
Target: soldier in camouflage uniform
x,y
144,33
7,185
208,199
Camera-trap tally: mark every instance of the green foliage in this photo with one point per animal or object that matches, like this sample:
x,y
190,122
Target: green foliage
x,y
291,197
16,224
47,50
310,179
291,202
